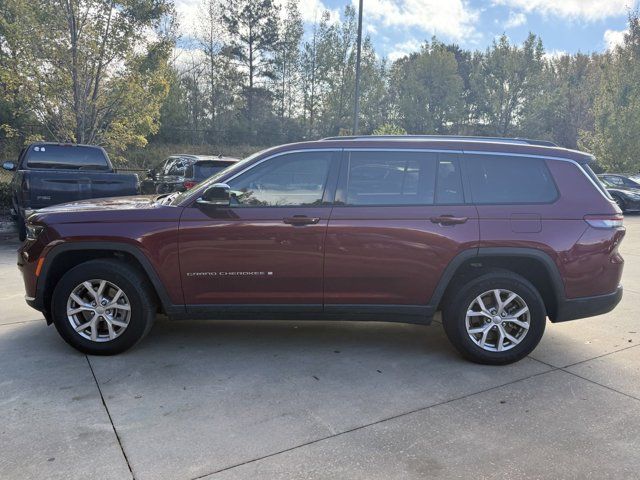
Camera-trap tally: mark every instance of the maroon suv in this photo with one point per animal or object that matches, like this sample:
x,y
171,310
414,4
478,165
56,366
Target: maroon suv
x,y
498,234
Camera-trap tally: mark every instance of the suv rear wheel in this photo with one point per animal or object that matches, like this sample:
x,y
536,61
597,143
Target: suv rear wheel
x,y
497,318
103,307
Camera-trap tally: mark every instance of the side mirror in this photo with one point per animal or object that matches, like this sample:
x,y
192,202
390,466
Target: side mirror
x,y
217,195
9,166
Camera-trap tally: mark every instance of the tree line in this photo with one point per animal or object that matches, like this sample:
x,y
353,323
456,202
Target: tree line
x,y
116,73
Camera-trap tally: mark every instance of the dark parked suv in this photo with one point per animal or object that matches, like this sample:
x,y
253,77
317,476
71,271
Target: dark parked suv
x,y
182,172
498,234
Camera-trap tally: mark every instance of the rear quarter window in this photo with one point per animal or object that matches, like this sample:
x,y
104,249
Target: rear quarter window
x,y
67,157
509,180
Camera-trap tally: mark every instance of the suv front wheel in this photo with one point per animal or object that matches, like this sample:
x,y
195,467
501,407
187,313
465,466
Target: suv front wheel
x,y
497,318
103,307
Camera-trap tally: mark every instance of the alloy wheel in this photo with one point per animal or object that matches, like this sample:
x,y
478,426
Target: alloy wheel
x,y
497,320
98,310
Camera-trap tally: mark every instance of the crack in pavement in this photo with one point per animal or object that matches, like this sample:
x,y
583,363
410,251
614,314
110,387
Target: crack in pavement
x,y
104,404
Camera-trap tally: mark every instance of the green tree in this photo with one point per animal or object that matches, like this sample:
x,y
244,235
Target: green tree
x,y
252,29
615,140
287,59
95,74
505,80
427,91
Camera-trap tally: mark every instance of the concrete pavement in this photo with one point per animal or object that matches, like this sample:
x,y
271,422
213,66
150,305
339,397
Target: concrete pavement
x,y
246,400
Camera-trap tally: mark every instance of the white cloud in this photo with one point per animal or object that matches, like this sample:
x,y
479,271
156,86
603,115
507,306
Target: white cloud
x,y
589,10
454,19
515,20
188,13
614,38
554,54
311,11
403,49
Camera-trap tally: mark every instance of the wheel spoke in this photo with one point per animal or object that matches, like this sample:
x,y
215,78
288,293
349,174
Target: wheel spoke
x,y
500,344
473,313
78,300
94,329
103,283
520,312
496,296
90,289
517,322
119,306
84,326
112,332
509,337
118,323
480,329
81,308
483,340
506,303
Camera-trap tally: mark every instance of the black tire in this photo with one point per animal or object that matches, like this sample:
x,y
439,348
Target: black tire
x,y
455,311
134,285
22,229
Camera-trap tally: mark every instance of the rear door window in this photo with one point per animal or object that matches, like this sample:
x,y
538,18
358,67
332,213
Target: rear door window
x,y
449,181
389,178
75,157
509,180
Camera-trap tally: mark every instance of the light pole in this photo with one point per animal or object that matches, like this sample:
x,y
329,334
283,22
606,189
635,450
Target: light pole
x,y
356,103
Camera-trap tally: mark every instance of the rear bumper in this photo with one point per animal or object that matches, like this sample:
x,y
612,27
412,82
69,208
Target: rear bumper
x,y
574,308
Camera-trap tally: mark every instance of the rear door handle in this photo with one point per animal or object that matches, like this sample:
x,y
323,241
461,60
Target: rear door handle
x,y
301,220
449,220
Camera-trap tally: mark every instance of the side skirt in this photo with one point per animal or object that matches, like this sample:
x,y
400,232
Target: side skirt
x,y
414,314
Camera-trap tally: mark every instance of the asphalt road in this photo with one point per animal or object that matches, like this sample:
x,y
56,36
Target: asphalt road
x,y
313,400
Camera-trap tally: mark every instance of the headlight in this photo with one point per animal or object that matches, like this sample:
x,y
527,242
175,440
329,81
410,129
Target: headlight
x,y
33,231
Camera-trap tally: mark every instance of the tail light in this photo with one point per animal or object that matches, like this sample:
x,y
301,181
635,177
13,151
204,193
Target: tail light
x,y
189,184
604,221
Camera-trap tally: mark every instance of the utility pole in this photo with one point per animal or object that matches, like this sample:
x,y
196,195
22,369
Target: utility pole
x,y
356,103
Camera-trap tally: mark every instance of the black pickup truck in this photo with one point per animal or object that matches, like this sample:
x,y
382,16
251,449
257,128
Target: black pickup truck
x,y
52,173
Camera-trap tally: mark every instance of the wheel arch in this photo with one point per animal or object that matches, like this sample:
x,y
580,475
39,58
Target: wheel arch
x,y
66,256
534,265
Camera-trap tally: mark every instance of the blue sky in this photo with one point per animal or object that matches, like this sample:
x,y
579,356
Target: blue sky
x,y
398,27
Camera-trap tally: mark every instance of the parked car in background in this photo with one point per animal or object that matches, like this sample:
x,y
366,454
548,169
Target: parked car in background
x,y
181,172
498,234
623,190
51,173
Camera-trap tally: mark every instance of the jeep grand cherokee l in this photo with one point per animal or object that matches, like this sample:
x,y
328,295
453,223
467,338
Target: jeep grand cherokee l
x,y
497,234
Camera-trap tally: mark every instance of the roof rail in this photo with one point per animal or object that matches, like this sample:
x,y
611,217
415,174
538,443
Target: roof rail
x,y
521,141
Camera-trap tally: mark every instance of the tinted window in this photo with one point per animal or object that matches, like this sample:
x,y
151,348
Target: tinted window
x,y
294,179
449,182
510,180
390,178
614,180
67,156
166,168
178,167
202,170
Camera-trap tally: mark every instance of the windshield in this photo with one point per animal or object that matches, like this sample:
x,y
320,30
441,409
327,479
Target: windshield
x,y
203,170
75,157
176,199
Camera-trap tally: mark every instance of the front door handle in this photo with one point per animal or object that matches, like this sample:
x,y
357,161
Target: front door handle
x,y
449,220
301,220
